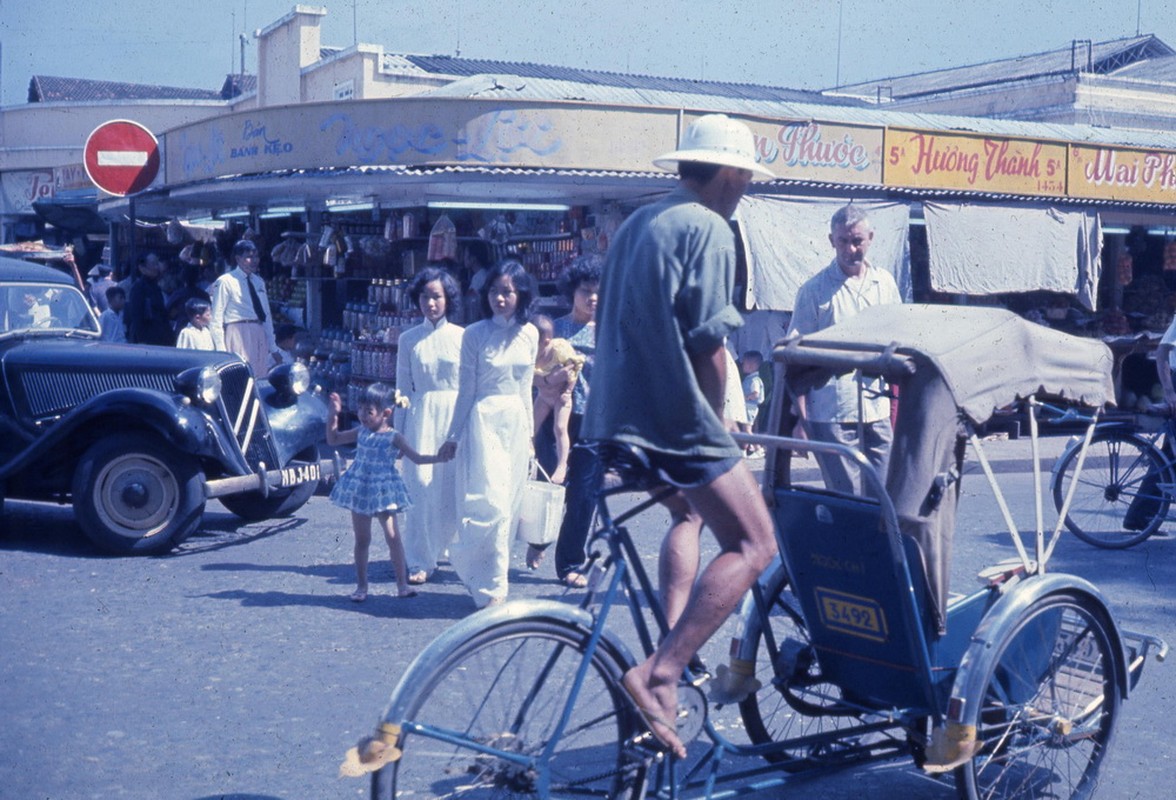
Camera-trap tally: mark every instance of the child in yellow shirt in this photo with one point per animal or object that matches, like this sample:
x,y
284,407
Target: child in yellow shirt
x,y
554,395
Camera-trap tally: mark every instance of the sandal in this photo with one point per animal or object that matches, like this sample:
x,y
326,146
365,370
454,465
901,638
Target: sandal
x,y
359,595
535,557
418,577
574,580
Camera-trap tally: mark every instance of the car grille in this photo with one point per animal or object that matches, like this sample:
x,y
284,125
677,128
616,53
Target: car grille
x,y
53,392
241,400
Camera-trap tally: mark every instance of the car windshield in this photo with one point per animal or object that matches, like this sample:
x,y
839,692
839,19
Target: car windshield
x,y
33,308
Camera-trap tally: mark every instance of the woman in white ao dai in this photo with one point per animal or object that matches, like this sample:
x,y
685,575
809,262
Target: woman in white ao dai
x,y
427,361
491,433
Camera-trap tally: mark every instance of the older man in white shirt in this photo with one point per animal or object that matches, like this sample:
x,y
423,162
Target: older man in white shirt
x,y
242,322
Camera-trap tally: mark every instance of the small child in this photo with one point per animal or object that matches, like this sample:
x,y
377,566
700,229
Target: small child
x,y
196,335
286,337
753,389
554,395
111,321
372,487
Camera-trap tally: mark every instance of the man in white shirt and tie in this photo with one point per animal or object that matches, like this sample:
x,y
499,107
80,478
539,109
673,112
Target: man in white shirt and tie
x,y
241,319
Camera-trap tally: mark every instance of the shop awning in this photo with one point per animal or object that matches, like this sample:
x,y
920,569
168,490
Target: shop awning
x,y
394,186
75,211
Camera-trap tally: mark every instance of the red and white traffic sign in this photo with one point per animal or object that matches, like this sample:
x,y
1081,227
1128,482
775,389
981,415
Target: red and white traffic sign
x,y
121,157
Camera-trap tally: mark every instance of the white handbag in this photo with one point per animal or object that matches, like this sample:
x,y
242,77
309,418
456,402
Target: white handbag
x,y
541,511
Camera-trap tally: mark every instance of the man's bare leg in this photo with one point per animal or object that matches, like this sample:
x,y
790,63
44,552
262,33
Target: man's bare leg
x,y
677,564
734,509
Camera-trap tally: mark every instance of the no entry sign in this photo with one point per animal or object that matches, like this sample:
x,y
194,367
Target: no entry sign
x,y
121,157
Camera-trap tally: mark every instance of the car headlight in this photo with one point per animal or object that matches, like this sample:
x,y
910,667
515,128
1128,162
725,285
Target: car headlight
x,y
290,380
200,384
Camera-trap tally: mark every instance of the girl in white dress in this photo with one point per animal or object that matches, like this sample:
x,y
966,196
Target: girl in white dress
x,y
491,432
426,373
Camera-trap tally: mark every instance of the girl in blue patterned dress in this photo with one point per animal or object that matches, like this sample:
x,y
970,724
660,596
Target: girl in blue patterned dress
x,y
372,488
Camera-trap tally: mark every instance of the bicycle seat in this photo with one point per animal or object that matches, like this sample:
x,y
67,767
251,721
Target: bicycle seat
x,y
626,461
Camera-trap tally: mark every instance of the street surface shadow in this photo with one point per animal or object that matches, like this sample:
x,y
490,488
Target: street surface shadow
x,y
52,529
425,606
226,530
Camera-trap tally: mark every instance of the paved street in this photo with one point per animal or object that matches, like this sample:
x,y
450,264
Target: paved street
x,y
237,668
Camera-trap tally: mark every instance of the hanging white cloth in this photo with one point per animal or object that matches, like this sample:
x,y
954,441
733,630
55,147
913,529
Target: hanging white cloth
x,y
990,249
787,242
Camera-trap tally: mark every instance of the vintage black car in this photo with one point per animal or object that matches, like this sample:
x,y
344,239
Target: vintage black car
x,y
138,437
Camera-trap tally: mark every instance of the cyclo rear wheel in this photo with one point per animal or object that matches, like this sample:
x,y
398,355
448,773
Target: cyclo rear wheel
x,y
1118,501
1049,707
506,688
793,700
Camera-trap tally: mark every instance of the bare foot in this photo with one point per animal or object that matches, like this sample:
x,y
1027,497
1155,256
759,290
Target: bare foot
x,y
359,595
658,707
406,592
534,557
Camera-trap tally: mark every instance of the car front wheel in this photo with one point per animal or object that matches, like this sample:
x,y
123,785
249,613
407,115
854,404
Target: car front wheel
x,y
133,495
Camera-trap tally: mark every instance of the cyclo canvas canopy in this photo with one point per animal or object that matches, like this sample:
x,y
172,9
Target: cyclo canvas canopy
x,y
951,364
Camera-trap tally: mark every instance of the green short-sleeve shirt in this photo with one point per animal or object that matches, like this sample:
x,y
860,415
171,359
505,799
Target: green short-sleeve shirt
x,y
665,293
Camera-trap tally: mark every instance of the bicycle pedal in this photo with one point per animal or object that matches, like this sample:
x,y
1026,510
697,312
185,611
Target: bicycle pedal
x,y
692,712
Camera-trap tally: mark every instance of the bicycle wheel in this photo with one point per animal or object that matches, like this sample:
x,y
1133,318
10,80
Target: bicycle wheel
x,y
506,688
1118,501
1049,706
794,700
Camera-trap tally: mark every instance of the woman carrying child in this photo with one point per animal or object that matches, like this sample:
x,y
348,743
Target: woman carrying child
x,y
371,488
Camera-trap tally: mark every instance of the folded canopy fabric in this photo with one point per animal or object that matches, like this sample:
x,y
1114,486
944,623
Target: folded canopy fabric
x,y
988,357
988,249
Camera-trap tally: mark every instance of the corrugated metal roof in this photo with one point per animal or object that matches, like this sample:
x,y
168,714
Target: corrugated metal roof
x,y
516,87
48,88
1162,70
457,67
1081,56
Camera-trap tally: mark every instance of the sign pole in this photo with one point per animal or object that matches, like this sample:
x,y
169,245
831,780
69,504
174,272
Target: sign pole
x,y
132,249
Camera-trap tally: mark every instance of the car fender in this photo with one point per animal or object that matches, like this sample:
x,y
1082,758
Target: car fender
x,y
173,419
295,424
981,653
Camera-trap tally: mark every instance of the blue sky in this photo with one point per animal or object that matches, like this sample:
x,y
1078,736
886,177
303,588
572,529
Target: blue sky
x,y
777,42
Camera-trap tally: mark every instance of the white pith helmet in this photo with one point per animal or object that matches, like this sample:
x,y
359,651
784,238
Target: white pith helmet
x,y
716,139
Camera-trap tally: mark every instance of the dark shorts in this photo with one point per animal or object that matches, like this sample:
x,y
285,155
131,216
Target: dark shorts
x,y
690,472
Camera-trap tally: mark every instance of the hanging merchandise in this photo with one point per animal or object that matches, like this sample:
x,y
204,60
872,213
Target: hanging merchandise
x,y
443,240
1125,269
497,230
175,232
1170,256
